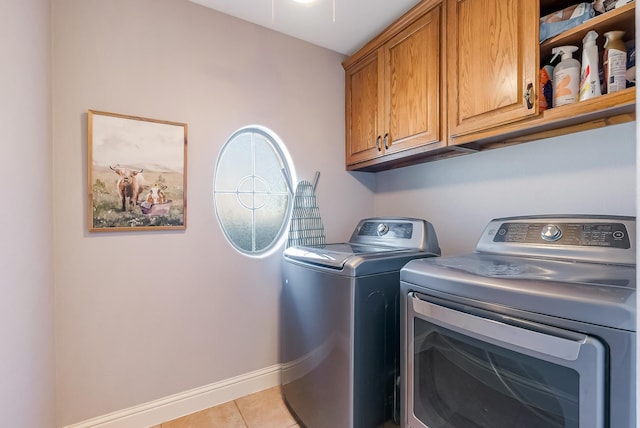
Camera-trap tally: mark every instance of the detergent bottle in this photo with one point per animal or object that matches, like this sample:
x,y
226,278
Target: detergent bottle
x,y
589,76
614,62
566,77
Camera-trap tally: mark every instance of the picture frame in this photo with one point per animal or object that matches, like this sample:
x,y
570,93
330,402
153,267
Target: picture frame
x,y
137,173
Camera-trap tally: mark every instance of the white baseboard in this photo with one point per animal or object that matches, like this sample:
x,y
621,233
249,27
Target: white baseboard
x,y
175,406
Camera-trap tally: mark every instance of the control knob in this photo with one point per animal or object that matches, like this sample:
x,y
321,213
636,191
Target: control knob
x,y
382,229
551,233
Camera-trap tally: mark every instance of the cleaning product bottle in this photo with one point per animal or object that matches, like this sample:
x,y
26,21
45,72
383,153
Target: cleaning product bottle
x,y
614,62
545,96
589,76
566,77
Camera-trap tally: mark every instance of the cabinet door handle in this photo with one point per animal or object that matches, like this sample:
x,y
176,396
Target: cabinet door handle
x,y
386,141
378,144
528,96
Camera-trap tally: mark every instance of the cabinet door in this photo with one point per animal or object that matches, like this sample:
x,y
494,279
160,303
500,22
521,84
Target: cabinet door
x,y
412,85
363,104
492,63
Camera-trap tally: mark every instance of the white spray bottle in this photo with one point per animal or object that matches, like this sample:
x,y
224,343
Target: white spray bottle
x,y
566,76
589,76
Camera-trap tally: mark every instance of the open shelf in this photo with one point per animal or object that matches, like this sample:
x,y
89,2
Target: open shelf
x,y
622,19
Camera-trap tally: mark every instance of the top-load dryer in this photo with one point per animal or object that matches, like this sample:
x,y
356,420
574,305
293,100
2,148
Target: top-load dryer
x,y
340,323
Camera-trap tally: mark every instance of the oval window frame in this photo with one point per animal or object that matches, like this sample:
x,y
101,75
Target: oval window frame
x,y
287,173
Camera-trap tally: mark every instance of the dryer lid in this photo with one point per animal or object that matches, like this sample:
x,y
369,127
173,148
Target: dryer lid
x,y
528,268
337,255
381,243
586,292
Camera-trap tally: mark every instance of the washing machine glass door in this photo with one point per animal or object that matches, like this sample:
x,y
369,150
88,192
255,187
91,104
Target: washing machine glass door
x,y
475,369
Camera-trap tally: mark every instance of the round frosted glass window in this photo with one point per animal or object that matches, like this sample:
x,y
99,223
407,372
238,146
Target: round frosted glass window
x,y
252,190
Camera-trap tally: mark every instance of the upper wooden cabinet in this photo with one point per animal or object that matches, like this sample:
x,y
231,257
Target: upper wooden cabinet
x,y
364,101
412,85
492,57
393,103
608,109
458,76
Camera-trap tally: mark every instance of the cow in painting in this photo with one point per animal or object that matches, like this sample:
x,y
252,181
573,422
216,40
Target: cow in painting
x,y
129,186
156,194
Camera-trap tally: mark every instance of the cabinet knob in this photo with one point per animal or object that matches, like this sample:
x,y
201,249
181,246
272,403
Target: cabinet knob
x,y
528,95
378,143
386,141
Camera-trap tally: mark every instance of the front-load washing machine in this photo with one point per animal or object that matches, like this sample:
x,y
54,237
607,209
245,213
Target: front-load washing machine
x,y
339,336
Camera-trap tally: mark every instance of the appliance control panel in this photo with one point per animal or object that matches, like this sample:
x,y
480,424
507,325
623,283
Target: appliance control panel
x,y
590,234
400,230
397,232
609,239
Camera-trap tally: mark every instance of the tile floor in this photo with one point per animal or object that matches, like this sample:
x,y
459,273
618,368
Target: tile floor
x,y
264,409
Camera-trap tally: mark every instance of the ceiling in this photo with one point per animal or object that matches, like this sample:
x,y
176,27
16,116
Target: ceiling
x,y
343,26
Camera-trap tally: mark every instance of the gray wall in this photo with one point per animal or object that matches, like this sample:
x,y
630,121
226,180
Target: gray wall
x,y
141,316
26,286
144,315
584,173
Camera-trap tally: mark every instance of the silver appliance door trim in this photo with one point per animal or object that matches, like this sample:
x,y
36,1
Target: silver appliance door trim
x,y
575,351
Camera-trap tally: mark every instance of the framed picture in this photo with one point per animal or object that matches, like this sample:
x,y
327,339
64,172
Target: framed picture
x,y
137,173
